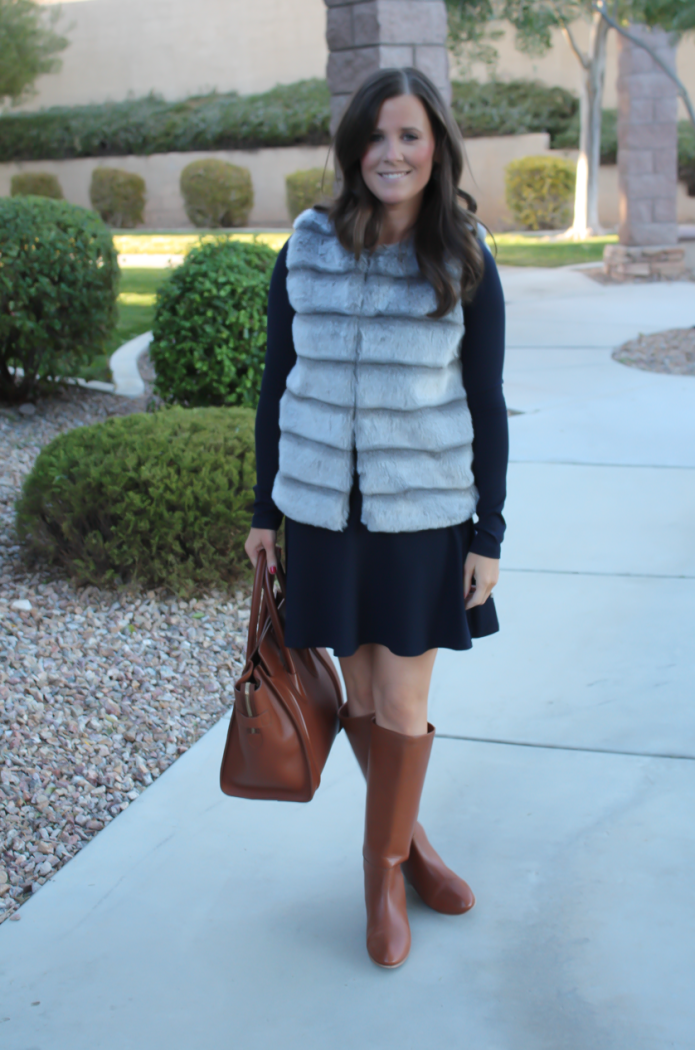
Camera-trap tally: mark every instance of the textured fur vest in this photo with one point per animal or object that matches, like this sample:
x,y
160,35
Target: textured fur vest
x,y
374,374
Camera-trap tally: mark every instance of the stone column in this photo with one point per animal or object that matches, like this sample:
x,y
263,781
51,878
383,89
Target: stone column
x,y
647,162
366,35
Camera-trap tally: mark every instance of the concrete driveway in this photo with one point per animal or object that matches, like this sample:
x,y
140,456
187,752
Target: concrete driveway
x,y
562,783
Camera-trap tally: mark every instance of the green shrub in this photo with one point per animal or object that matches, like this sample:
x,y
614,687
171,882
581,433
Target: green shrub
x,y
539,191
210,326
58,290
305,188
118,196
216,193
158,499
686,155
35,184
569,137
514,107
289,115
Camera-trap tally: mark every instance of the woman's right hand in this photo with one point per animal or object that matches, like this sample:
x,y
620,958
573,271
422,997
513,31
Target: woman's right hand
x,y
262,539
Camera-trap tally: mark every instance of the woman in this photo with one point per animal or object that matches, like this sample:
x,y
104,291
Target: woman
x,y
381,430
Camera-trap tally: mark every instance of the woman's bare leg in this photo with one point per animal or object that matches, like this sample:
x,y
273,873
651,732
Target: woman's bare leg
x,y
357,674
396,688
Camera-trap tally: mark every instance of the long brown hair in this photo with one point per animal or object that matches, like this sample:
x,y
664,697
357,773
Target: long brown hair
x,y
446,229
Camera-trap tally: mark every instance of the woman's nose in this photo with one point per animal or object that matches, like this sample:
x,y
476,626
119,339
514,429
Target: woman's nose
x,y
393,150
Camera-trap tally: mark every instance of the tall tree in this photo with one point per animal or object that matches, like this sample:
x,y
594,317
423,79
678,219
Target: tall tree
x,y
29,46
534,21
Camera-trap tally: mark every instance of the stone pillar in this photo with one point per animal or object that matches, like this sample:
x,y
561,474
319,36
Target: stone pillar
x,y
647,162
366,35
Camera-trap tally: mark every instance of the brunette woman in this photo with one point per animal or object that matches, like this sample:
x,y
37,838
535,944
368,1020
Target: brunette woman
x,y
381,431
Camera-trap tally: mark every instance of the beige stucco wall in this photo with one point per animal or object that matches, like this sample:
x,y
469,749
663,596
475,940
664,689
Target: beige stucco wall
x,y
484,178
179,48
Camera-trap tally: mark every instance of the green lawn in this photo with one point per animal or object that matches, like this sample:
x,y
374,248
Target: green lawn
x,y
516,249
136,302
163,242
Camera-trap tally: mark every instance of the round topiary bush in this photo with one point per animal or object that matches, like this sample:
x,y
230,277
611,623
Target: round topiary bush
x,y
216,193
118,196
158,499
539,191
58,291
306,188
210,326
35,184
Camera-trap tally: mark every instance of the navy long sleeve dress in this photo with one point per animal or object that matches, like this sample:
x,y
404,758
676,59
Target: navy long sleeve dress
x,y
403,590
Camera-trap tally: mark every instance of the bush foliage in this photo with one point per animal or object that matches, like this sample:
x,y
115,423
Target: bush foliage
x,y
216,193
58,290
118,196
210,326
514,107
35,184
305,188
539,191
289,115
686,155
157,499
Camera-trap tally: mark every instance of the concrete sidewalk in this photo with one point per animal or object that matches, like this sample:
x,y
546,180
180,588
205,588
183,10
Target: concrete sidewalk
x,y
562,783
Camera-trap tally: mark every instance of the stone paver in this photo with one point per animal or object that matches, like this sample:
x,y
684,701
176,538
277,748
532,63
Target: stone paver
x,y
193,919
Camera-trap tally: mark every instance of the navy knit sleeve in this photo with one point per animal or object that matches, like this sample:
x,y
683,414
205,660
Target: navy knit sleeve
x,y
280,358
482,357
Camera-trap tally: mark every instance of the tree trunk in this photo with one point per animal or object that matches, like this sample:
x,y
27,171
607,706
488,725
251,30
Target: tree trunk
x,y
586,222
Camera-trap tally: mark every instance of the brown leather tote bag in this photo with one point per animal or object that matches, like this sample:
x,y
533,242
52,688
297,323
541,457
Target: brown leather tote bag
x,y
285,715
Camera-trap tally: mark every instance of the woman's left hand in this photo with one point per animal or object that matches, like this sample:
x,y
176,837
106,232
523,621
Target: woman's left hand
x,y
480,575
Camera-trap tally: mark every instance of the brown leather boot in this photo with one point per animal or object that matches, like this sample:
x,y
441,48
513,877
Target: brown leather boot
x,y
396,774
438,886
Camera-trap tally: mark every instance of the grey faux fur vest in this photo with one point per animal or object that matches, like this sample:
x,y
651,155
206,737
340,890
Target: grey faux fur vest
x,y
374,374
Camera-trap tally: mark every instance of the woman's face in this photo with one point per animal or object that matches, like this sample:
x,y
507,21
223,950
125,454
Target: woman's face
x,y
398,162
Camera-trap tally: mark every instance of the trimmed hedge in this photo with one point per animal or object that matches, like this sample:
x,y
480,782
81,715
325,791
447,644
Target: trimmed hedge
x,y
569,138
155,499
118,196
306,188
210,326
513,107
686,155
216,193
36,184
58,291
289,115
539,191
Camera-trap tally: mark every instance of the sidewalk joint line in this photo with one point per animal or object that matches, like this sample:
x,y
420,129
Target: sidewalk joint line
x,y
564,747
582,463
609,575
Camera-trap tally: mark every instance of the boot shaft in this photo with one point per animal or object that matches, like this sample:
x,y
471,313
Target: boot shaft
x,y
396,776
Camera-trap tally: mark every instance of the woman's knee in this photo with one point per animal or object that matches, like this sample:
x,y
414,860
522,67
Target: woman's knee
x,y
402,710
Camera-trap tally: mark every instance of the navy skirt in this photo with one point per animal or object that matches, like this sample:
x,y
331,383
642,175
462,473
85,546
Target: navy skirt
x,y
403,590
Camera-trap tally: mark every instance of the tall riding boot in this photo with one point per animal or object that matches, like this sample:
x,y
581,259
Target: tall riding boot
x,y
395,778
438,886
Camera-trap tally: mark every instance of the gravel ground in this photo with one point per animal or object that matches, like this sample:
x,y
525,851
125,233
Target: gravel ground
x,y
672,351
99,691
